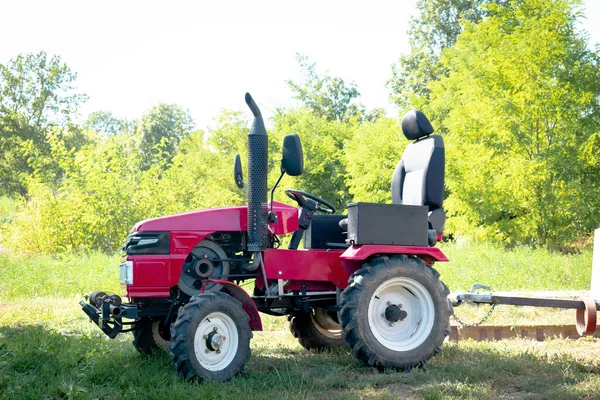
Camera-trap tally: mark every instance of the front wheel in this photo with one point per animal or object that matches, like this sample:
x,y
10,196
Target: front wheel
x,y
210,338
395,313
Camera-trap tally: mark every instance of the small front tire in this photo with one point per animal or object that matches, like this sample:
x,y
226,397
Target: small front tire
x,y
210,338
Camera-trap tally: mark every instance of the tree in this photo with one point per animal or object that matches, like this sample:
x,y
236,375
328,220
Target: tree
x,y
105,122
160,131
36,93
370,158
323,144
438,25
326,96
521,106
230,135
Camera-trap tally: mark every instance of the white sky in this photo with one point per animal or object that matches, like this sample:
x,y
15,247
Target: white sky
x,y
204,55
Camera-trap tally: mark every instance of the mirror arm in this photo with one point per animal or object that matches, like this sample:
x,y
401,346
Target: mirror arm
x,y
272,217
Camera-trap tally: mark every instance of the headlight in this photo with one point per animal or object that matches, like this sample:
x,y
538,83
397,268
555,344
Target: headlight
x,y
147,243
126,272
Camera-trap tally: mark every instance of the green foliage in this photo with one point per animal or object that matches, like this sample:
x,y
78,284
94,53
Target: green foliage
x,y
105,122
370,157
323,144
104,192
199,178
36,93
520,104
438,25
160,131
326,96
70,217
230,134
8,208
510,84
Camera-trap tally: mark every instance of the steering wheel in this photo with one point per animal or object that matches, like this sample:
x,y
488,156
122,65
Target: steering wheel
x,y
310,201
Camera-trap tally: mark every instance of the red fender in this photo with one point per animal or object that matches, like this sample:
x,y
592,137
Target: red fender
x,y
357,253
247,303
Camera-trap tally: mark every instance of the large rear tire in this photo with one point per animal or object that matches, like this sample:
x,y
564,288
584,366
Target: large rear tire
x,y
316,330
395,313
210,338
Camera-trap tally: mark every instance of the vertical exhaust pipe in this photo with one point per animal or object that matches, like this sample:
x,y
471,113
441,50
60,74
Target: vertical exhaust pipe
x,y
258,158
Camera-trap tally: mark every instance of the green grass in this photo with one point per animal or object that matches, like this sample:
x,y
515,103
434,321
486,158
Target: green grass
x,y
521,268
518,269
49,350
58,276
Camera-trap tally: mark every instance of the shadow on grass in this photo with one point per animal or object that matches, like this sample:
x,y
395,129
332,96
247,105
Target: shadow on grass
x,y
36,362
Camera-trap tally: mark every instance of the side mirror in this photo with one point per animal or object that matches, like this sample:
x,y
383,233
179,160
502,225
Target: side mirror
x,y
238,175
292,160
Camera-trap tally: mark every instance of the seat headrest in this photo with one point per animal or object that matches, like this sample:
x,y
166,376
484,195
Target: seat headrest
x,y
416,125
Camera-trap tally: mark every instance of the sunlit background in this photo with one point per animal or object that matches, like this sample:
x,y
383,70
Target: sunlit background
x,y
204,55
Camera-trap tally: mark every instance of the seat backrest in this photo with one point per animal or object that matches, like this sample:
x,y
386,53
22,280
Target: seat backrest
x,y
419,176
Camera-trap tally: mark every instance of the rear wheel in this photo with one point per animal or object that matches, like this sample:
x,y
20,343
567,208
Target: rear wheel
x,y
150,336
395,313
316,330
210,338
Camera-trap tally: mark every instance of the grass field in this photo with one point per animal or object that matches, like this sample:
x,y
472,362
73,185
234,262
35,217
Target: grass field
x,y
48,348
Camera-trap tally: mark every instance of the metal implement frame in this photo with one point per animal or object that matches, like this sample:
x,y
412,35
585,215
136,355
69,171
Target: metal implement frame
x,y
489,298
586,308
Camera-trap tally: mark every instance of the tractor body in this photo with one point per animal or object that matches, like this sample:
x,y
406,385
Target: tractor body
x,y
364,280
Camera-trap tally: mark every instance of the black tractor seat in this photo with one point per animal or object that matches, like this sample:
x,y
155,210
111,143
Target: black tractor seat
x,y
418,179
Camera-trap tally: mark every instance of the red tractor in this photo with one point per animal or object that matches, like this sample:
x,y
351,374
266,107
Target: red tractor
x,y
364,280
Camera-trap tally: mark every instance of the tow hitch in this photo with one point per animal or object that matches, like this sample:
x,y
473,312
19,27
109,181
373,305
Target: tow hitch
x,y
107,311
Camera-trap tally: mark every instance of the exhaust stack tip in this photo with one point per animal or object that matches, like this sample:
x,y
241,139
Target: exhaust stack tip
x,y
253,107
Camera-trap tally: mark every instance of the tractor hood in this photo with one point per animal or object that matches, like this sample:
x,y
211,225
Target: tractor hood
x,y
224,219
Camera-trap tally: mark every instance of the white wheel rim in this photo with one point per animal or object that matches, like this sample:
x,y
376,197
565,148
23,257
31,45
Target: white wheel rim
x,y
325,324
158,339
227,330
410,332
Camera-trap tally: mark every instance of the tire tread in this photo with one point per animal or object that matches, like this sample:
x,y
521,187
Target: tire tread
x,y
350,300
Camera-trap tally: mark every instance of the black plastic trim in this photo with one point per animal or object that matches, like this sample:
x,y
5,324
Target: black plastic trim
x,y
161,246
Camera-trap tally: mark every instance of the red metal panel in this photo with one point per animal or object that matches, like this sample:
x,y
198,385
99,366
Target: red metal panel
x,y
306,265
154,275
151,270
247,302
367,250
230,219
150,276
287,219
225,219
182,244
147,291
